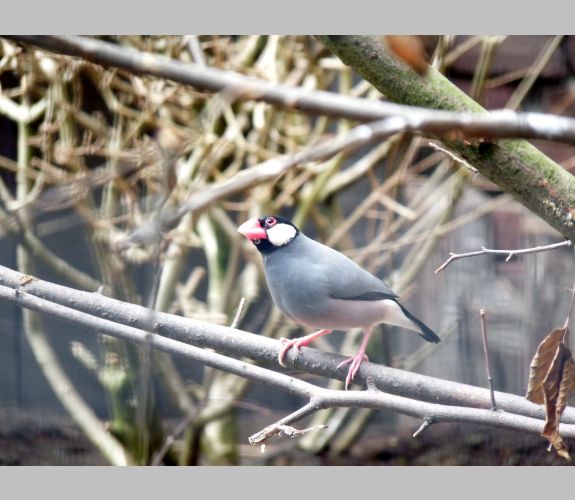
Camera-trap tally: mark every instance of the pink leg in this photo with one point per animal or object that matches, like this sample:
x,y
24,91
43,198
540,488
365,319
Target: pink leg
x,y
297,343
356,361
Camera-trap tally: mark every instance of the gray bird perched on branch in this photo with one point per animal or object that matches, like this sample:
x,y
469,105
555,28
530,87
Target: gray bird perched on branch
x,y
319,287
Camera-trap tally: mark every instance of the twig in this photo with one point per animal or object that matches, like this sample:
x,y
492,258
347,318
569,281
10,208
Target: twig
x,y
22,113
439,147
195,48
291,432
534,72
171,272
277,427
487,364
509,253
488,48
426,424
239,313
23,233
171,438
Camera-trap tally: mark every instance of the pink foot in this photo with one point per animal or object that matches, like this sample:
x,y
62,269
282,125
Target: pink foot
x,y
287,345
354,362
358,359
297,343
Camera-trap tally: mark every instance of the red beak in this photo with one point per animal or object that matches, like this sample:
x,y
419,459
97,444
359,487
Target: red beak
x,y
252,230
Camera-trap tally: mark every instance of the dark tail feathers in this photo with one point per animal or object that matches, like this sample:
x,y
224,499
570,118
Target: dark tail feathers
x,y
426,332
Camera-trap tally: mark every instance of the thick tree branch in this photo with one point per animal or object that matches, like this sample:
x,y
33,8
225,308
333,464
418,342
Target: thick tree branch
x,y
514,165
237,86
238,344
319,398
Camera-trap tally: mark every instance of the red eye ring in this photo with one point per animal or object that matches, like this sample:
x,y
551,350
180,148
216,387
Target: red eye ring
x,y
271,221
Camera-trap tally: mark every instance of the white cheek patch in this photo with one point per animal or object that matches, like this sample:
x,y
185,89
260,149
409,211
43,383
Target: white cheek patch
x,y
281,234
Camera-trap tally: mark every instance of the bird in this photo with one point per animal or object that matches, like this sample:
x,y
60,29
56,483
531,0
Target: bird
x,y
318,287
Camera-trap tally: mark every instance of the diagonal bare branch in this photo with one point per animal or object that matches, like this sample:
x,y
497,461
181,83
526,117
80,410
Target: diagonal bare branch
x,y
319,398
239,344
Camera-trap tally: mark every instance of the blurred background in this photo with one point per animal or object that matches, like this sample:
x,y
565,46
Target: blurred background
x,y
89,155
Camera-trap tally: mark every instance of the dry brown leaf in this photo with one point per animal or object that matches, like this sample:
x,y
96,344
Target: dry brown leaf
x,y
540,365
410,49
557,442
551,389
551,381
558,397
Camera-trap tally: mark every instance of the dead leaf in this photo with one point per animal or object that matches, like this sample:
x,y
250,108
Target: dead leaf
x,y
410,49
566,388
556,377
551,382
540,365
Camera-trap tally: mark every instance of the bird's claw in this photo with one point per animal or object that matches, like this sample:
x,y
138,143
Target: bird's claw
x,y
297,343
287,345
350,360
354,362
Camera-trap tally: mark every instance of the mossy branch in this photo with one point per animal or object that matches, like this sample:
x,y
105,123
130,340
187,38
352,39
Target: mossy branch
x,y
515,166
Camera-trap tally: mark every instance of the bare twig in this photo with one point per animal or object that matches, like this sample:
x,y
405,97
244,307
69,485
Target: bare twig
x,y
439,147
196,49
171,438
487,364
509,253
239,313
280,425
419,235
533,74
291,432
426,424
21,113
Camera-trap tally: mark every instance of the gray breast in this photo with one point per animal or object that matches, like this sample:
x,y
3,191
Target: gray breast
x,y
297,281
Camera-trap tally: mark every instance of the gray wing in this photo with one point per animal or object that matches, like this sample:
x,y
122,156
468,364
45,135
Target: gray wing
x,y
346,280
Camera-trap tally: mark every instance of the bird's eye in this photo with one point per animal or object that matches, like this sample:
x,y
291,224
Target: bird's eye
x,y
256,241
270,221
